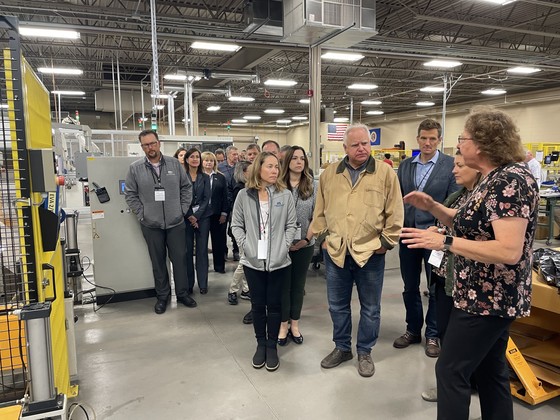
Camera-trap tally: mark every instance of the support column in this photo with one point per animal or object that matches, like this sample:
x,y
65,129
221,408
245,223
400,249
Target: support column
x,y
315,106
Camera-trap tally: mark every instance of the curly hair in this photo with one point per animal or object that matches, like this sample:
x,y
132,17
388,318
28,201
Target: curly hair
x,y
495,134
254,179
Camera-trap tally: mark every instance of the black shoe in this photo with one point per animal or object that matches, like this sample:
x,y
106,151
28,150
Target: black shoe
x,y
190,291
259,359
335,358
298,339
283,341
161,306
248,318
188,301
203,291
245,295
272,361
221,271
236,256
232,298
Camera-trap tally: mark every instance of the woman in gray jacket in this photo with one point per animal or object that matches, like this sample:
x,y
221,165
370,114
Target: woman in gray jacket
x,y
264,224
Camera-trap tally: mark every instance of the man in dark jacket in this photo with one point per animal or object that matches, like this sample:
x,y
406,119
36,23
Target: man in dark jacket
x,y
430,172
159,193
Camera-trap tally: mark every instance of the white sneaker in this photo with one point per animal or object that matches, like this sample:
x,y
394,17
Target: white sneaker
x,y
430,395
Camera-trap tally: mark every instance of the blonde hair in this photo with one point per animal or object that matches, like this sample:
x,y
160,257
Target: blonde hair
x,y
254,179
209,155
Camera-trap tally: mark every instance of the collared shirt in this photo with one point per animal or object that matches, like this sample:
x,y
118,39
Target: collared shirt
x,y
355,173
423,170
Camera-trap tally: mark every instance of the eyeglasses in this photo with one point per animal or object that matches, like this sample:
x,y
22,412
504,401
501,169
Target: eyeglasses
x,y
463,139
148,145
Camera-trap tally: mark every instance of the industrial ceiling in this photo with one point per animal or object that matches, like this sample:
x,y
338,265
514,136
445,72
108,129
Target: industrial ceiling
x,y
486,38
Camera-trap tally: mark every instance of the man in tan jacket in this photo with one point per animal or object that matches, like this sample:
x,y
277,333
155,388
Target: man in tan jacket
x,y
359,208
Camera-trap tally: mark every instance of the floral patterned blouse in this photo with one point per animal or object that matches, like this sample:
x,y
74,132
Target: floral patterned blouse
x,y
497,289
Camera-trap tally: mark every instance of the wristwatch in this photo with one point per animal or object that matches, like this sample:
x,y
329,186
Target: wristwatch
x,y
447,242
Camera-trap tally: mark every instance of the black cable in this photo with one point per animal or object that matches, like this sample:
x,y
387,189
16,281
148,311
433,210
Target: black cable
x,y
80,406
88,261
114,292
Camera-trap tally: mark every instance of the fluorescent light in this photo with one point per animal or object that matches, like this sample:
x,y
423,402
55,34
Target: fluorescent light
x,y
304,101
278,82
69,92
273,111
213,108
432,89
374,113
363,86
342,56
48,33
160,107
443,64
299,118
239,121
425,103
175,77
499,2
252,117
341,119
240,99
3,106
523,70
371,102
162,96
54,70
493,91
214,46
283,121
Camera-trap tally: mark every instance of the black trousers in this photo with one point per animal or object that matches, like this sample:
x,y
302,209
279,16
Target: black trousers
x,y
160,242
266,302
444,305
218,235
200,237
475,346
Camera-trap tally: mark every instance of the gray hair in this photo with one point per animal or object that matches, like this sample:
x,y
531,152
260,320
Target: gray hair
x,y
238,171
355,126
229,149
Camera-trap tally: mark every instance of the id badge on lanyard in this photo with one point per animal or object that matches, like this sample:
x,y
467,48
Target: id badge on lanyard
x,y
159,194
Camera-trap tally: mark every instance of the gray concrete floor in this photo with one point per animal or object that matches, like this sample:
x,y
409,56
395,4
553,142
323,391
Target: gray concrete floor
x,y
196,363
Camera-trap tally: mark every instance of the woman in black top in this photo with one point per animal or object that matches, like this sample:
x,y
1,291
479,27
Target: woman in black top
x,y
198,222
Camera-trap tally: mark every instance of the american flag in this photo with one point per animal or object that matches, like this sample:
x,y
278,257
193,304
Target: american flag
x,y
336,131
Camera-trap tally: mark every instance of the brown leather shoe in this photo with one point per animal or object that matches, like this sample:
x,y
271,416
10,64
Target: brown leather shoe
x,y
432,347
406,340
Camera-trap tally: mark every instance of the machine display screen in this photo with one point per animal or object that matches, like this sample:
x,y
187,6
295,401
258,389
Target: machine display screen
x,y
121,186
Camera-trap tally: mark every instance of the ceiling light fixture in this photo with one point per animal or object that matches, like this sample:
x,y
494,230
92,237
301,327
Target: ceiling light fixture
x,y
499,2
160,107
523,70
213,108
239,121
54,70
3,106
304,101
443,64
425,103
273,111
283,121
214,46
252,117
340,119
299,118
240,99
279,82
374,113
433,89
69,92
342,56
48,33
180,77
371,102
363,86
494,91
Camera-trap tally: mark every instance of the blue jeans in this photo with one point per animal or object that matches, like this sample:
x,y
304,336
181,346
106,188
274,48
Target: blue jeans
x,y
411,270
369,282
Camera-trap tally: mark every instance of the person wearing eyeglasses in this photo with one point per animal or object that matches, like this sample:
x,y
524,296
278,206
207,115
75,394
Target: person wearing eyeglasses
x,y
492,243
159,193
429,172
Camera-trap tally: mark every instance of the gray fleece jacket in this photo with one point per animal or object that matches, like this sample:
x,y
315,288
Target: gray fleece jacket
x,y
245,226
140,185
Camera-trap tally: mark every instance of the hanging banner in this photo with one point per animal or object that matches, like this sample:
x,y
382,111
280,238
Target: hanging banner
x,y
375,136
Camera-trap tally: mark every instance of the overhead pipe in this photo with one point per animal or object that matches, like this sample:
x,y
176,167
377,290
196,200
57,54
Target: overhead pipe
x,y
119,89
114,91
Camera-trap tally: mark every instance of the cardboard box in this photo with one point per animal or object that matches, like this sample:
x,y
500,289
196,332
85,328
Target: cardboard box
x,y
542,229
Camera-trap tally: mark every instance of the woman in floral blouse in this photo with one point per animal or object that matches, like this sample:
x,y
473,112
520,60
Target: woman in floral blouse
x,y
492,244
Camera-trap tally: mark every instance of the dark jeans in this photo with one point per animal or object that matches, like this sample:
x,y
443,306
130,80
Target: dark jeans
x,y
444,305
266,302
199,235
292,292
160,242
411,269
475,345
369,282
230,234
218,235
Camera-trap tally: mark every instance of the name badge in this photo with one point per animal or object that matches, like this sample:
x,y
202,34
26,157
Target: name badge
x,y
435,258
297,236
159,194
262,249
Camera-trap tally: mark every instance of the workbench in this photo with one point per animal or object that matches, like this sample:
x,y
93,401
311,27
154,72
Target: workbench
x,y
545,314
551,199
